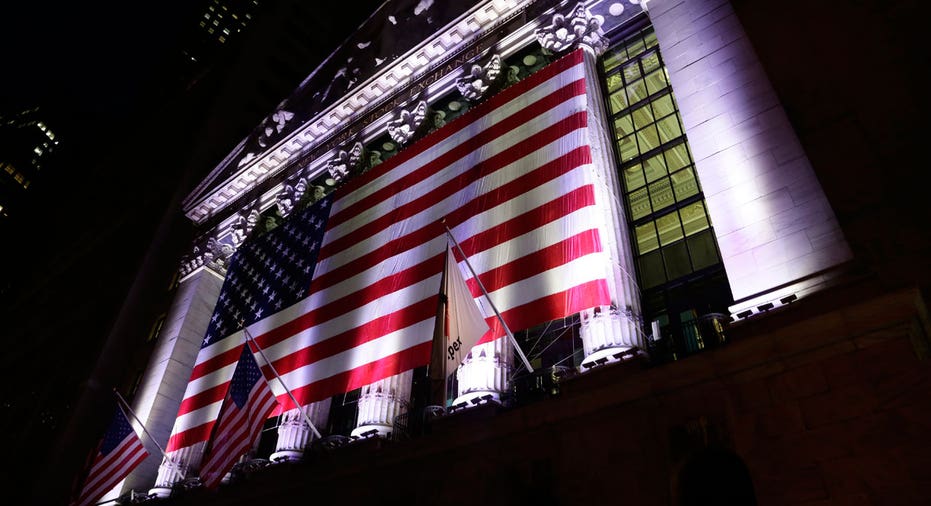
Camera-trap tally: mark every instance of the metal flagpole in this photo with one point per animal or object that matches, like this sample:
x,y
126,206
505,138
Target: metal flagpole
x,y
126,409
286,389
507,330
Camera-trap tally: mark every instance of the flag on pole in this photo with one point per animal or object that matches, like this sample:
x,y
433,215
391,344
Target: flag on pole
x,y
245,409
266,274
118,453
465,323
511,177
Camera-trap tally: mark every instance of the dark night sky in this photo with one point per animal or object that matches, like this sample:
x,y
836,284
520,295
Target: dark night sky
x,y
85,62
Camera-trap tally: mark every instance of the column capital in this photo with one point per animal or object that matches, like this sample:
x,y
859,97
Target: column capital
x,y
580,28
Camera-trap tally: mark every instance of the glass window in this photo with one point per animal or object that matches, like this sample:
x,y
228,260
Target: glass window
x,y
647,139
669,128
618,102
646,238
663,106
655,81
669,228
677,157
639,204
684,184
661,194
642,116
636,91
677,260
614,82
651,270
650,62
623,125
627,147
631,71
654,168
704,253
694,219
633,177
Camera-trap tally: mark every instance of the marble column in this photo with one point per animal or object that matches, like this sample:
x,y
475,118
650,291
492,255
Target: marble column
x,y
381,402
611,329
775,228
294,435
484,371
163,384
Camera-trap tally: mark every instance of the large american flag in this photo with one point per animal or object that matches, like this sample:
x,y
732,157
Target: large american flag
x,y
119,452
245,409
266,274
511,178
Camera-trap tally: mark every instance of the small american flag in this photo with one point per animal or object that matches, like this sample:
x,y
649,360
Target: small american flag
x,y
119,452
245,409
265,275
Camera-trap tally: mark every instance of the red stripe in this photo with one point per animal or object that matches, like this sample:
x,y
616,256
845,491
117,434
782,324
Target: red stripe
x,y
454,127
387,285
218,362
577,246
471,143
379,327
468,176
558,305
192,435
531,220
108,467
404,360
480,204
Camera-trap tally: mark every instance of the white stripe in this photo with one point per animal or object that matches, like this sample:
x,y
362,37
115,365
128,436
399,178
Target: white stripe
x,y
359,356
484,185
197,417
388,304
549,234
457,167
558,279
481,124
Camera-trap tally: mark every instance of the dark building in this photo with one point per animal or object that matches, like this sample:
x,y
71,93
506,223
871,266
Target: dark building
x,y
27,145
764,240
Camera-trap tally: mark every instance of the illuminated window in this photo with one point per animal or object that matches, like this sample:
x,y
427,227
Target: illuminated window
x,y
156,327
678,265
19,177
9,168
662,193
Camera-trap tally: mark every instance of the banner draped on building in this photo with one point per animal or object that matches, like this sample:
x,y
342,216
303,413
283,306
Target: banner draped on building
x,y
511,179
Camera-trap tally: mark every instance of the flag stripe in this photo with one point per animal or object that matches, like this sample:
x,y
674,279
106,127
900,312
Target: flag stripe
x,y
358,377
511,178
377,177
245,409
118,453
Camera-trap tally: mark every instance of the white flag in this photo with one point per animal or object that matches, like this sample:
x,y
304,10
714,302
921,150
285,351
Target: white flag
x,y
465,324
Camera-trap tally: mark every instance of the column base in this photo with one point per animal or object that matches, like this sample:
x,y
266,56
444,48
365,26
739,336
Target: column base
x,y
286,456
380,430
160,492
472,398
610,355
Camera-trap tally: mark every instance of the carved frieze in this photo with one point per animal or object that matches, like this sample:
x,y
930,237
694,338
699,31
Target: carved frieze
x,y
346,162
409,124
580,27
479,80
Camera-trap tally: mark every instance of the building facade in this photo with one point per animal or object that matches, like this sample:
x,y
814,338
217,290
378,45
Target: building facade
x,y
711,218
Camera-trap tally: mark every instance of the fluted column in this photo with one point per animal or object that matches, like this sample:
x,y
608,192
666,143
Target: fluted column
x,y
605,330
180,465
381,402
293,432
484,371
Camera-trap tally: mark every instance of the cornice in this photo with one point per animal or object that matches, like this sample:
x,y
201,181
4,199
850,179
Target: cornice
x,y
206,201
